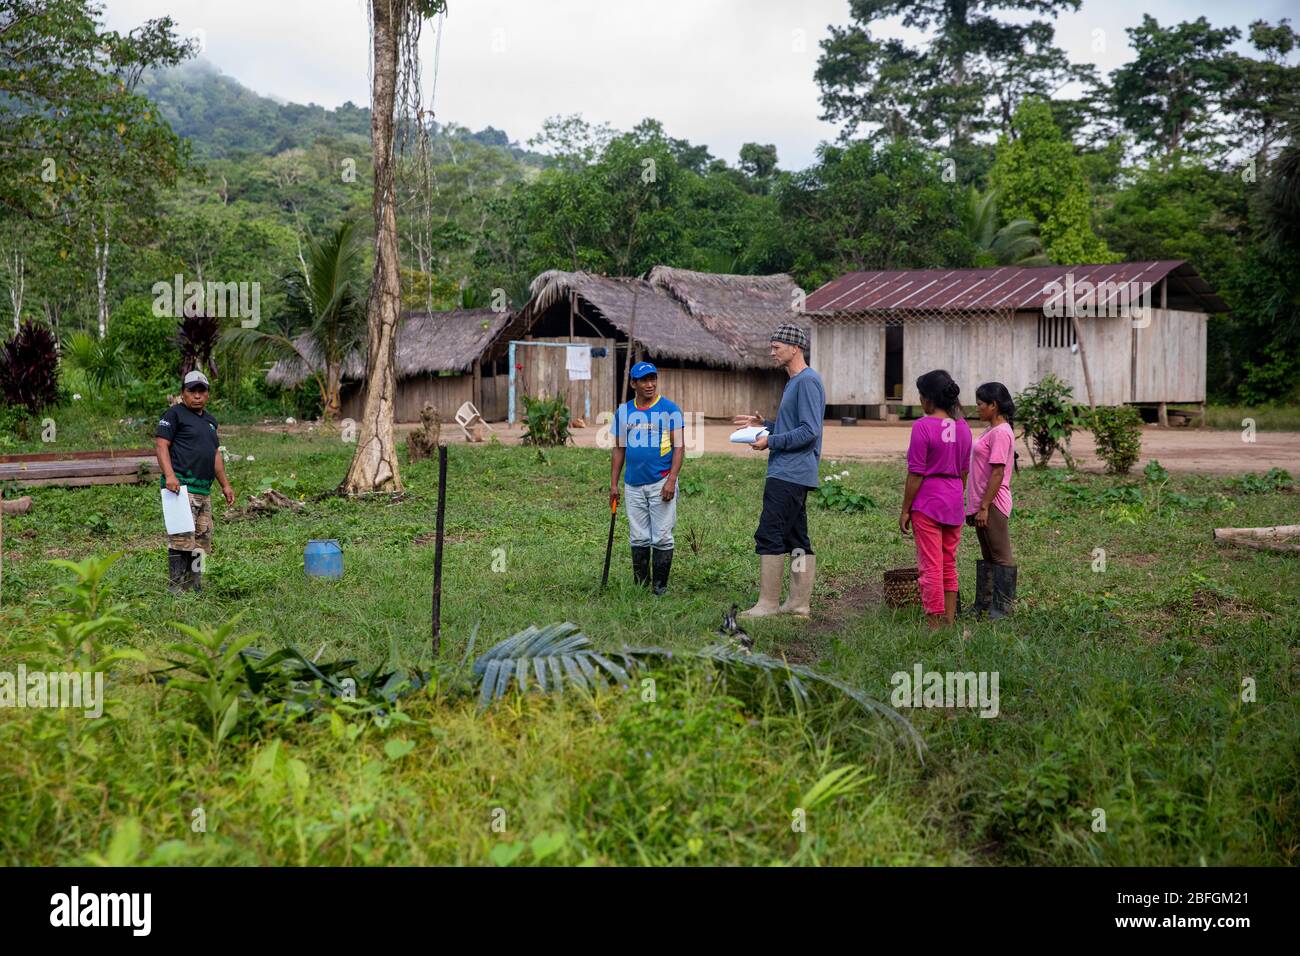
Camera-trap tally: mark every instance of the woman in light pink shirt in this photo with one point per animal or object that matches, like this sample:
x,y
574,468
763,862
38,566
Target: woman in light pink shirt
x,y
988,507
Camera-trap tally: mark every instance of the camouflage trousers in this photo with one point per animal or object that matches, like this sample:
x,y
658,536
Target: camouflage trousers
x,y
200,539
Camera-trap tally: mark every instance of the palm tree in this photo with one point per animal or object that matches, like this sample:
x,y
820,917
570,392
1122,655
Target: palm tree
x,y
324,320
1014,244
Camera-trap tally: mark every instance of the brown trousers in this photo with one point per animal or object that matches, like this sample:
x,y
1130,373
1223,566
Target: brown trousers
x,y
995,538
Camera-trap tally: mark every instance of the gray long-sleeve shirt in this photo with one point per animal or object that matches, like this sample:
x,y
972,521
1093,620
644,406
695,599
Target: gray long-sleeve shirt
x,y
795,439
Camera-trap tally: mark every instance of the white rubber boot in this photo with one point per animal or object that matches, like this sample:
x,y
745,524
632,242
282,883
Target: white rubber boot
x,y
801,585
771,568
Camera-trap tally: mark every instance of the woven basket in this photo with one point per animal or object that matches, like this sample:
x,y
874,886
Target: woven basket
x,y
903,587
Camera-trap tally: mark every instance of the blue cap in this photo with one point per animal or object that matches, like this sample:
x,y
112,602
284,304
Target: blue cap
x,y
642,369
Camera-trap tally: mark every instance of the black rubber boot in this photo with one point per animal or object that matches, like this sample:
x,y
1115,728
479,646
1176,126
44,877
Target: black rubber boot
x,y
178,567
641,564
983,589
193,576
663,563
1004,590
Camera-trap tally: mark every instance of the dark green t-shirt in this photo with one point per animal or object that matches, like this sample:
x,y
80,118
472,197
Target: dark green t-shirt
x,y
194,447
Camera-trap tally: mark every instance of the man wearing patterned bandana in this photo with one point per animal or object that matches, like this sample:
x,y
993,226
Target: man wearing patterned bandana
x,y
794,444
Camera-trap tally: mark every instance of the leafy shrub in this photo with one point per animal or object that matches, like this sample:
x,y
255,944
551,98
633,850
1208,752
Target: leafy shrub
x,y
691,485
147,400
546,421
1038,799
29,369
1047,416
105,362
13,423
1117,431
1275,479
1155,472
149,341
833,495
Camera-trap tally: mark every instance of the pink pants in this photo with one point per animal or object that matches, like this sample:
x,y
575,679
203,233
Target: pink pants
x,y
936,556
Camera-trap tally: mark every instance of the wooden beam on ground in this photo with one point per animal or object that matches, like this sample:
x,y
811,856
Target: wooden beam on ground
x,y
78,472
83,482
1283,537
78,455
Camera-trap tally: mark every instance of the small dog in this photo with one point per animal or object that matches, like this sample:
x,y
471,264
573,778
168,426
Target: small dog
x,y
730,631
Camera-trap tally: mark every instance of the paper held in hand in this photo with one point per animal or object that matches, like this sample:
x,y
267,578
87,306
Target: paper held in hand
x,y
747,436
176,511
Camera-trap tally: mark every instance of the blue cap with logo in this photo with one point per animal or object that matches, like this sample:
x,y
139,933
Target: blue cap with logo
x,y
642,369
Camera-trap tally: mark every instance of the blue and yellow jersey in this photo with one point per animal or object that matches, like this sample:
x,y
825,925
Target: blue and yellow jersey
x,y
646,433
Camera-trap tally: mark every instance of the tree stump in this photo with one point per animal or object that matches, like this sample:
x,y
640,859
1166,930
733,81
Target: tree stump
x,y
423,442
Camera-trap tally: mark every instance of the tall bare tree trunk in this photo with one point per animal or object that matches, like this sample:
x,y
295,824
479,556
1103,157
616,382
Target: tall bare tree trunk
x,y
101,277
17,282
374,464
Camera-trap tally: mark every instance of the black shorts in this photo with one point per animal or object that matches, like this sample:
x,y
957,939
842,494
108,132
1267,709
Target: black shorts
x,y
783,526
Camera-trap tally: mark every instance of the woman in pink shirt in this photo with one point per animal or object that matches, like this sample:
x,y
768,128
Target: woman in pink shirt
x,y
938,457
989,506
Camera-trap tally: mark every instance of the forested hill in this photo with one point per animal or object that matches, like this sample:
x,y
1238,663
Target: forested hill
x,y
220,116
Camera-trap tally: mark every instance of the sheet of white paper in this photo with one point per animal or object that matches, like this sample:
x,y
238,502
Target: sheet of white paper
x,y
747,436
176,511
577,360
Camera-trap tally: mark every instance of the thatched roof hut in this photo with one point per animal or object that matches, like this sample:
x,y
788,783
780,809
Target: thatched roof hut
x,y
661,327
741,311
708,334
427,343
715,320
438,360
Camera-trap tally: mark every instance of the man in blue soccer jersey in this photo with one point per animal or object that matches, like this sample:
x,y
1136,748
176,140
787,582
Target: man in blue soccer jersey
x,y
648,437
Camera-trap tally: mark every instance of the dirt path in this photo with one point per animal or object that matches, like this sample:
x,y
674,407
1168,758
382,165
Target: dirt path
x,y
1200,450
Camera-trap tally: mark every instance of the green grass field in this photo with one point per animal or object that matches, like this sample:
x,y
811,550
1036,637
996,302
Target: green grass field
x,y
1120,689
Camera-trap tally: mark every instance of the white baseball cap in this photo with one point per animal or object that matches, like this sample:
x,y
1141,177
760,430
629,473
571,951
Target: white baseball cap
x,y
196,378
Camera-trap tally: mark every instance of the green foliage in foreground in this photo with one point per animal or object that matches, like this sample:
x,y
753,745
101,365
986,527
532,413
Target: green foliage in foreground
x,y
1117,431
1121,688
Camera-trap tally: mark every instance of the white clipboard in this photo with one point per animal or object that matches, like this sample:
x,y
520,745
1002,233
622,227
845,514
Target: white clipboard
x,y
176,511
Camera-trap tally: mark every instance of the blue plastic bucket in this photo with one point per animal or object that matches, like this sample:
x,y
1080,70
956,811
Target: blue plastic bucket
x,y
323,559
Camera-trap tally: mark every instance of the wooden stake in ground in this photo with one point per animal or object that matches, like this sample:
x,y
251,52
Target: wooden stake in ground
x,y
631,344
1282,537
437,550
1083,358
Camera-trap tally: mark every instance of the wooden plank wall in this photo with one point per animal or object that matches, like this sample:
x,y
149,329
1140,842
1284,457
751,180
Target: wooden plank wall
x,y
496,394
722,393
1171,354
1170,358
543,373
980,350
850,357
446,392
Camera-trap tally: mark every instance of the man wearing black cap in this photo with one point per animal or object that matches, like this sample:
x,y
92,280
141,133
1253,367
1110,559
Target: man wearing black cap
x,y
794,445
187,445
647,435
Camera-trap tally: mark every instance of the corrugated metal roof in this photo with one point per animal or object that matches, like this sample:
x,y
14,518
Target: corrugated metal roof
x,y
1006,287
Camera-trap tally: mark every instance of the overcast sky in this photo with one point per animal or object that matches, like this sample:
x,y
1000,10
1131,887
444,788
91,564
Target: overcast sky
x,y
716,72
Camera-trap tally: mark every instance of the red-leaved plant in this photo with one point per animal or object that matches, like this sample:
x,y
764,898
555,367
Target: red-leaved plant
x,y
29,368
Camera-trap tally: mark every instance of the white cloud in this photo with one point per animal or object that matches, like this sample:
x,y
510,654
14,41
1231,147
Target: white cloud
x,y
716,72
